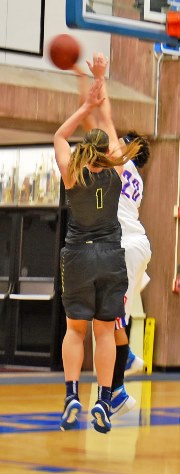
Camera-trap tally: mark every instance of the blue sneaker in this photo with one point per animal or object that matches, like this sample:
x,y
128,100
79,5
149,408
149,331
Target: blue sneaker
x,y
101,420
134,364
69,419
121,402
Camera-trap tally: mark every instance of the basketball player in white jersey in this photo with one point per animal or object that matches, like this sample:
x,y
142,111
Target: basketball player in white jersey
x,y
133,233
137,256
134,240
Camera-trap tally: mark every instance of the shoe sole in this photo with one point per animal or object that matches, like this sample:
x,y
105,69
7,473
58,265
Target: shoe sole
x,y
100,422
69,418
128,404
136,367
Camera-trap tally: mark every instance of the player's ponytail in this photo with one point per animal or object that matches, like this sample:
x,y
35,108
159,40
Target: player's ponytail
x,y
94,150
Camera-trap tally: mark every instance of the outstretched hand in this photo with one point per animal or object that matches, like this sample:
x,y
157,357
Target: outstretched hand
x,y
98,68
94,97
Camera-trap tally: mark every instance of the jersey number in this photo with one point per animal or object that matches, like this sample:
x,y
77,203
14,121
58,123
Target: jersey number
x,y
128,183
99,198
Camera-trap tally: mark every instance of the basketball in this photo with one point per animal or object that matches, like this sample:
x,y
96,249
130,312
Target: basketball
x,y
64,51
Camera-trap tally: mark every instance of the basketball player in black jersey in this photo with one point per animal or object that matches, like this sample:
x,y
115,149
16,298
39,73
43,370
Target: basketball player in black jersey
x,y
120,398
94,277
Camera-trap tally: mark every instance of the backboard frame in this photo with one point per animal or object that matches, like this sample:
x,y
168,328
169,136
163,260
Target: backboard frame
x,y
77,17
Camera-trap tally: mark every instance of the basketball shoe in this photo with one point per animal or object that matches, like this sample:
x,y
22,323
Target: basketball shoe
x,y
101,415
121,402
134,364
69,419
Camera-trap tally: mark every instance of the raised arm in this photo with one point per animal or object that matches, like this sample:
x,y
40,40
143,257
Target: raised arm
x,y
62,148
105,122
91,120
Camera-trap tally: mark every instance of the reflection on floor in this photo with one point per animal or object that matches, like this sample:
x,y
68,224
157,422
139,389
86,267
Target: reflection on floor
x,y
144,441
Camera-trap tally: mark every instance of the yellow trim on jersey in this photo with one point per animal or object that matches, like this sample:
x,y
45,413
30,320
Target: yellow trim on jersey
x,y
62,275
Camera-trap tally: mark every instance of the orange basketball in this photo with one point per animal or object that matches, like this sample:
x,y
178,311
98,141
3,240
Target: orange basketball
x,y
64,51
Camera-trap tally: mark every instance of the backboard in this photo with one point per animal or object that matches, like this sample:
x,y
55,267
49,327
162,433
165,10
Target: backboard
x,y
143,19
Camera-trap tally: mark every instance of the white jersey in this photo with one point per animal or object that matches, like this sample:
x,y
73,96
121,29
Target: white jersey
x,y
134,239
130,200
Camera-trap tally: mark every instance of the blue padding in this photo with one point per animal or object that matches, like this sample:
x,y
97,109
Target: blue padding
x,y
167,49
71,14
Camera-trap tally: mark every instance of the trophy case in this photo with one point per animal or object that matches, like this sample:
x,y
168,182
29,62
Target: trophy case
x,y
28,176
32,232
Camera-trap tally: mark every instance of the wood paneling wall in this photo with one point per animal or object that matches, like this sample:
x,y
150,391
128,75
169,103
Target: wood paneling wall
x,y
41,102
169,97
156,213
132,63
132,60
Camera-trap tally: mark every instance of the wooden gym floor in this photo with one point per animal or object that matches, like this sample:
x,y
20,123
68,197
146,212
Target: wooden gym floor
x,y
144,441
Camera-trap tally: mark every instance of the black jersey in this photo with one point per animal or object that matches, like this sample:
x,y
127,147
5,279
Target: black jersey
x,y
93,208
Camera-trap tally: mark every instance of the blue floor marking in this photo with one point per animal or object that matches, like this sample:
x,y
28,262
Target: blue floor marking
x,y
53,469
40,467
165,416
40,422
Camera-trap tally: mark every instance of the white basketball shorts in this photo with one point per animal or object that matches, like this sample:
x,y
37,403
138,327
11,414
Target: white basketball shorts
x,y
137,256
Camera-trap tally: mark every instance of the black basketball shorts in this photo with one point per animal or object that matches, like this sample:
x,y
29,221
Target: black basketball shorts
x,y
94,281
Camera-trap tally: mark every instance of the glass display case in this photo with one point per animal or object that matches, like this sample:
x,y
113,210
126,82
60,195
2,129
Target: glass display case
x,y
33,224
32,228
29,176
5,285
